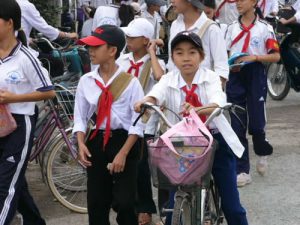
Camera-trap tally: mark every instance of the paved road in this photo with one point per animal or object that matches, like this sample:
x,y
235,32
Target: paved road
x,y
270,200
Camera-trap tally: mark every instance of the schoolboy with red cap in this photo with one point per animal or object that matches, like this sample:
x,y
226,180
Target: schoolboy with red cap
x,y
111,152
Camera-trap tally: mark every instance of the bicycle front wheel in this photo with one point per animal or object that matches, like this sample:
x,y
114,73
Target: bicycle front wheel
x,y
67,178
182,213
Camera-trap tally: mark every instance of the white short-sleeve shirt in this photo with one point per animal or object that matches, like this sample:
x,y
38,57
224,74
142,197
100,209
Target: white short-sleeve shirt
x,y
31,18
106,15
268,6
124,63
262,39
227,11
22,73
122,111
213,44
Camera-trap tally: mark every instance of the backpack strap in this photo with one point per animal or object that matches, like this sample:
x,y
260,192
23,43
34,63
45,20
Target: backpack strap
x,y
205,26
119,84
145,74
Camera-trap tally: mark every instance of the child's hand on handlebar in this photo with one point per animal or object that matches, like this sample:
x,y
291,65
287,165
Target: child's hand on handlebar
x,y
186,108
138,106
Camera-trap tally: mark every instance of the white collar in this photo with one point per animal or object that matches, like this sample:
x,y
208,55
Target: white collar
x,y
143,59
201,76
95,75
199,22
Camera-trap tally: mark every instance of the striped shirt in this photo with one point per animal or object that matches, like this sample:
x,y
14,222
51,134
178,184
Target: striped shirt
x,y
22,73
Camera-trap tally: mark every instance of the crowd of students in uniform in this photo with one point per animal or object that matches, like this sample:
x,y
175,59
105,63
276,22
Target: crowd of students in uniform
x,y
197,74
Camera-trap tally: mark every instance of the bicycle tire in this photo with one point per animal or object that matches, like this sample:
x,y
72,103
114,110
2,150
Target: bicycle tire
x,y
277,76
182,212
67,179
44,155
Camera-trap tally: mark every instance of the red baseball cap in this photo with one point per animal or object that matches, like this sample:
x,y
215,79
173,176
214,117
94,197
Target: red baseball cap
x,y
105,34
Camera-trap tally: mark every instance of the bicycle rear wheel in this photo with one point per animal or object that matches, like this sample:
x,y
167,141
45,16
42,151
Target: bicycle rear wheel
x,y
66,178
182,214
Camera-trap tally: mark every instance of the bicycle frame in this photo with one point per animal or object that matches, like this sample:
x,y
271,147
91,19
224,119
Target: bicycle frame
x,y
47,131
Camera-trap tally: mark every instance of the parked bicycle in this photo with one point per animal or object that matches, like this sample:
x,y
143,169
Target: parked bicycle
x,y
65,176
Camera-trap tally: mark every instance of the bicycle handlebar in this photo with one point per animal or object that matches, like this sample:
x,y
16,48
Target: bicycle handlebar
x,y
217,111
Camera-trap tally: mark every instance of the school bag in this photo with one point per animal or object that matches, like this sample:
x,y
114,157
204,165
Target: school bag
x,y
201,33
145,75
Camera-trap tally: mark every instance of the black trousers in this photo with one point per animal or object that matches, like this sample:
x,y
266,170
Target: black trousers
x,y
15,150
116,191
145,202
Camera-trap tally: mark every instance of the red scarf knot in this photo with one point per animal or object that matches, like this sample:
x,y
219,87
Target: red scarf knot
x,y
104,111
192,98
136,67
245,30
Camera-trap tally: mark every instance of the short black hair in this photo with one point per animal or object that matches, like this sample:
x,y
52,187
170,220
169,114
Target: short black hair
x,y
210,4
10,9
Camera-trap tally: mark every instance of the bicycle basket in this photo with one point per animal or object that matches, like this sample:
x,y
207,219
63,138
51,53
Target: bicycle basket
x,y
183,153
66,100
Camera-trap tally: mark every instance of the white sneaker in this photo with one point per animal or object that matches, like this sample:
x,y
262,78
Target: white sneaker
x,y
262,165
243,179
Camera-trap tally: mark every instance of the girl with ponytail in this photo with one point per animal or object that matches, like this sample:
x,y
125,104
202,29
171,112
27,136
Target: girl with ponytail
x,y
22,82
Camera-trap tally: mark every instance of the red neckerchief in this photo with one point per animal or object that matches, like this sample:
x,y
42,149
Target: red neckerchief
x,y
245,30
136,67
221,5
104,110
192,98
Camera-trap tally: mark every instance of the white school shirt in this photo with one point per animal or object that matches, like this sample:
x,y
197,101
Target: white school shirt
x,y
154,20
228,12
296,5
168,93
122,112
297,16
87,28
270,6
124,62
97,3
31,18
261,34
106,15
213,42
22,73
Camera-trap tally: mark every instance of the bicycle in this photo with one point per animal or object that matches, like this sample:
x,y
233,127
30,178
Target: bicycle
x,y
65,176
194,203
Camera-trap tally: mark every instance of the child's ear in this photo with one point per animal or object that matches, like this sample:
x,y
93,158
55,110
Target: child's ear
x,y
202,55
146,41
113,51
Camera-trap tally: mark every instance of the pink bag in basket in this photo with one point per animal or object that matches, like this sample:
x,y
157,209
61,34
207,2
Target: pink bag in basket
x,y
183,153
7,122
